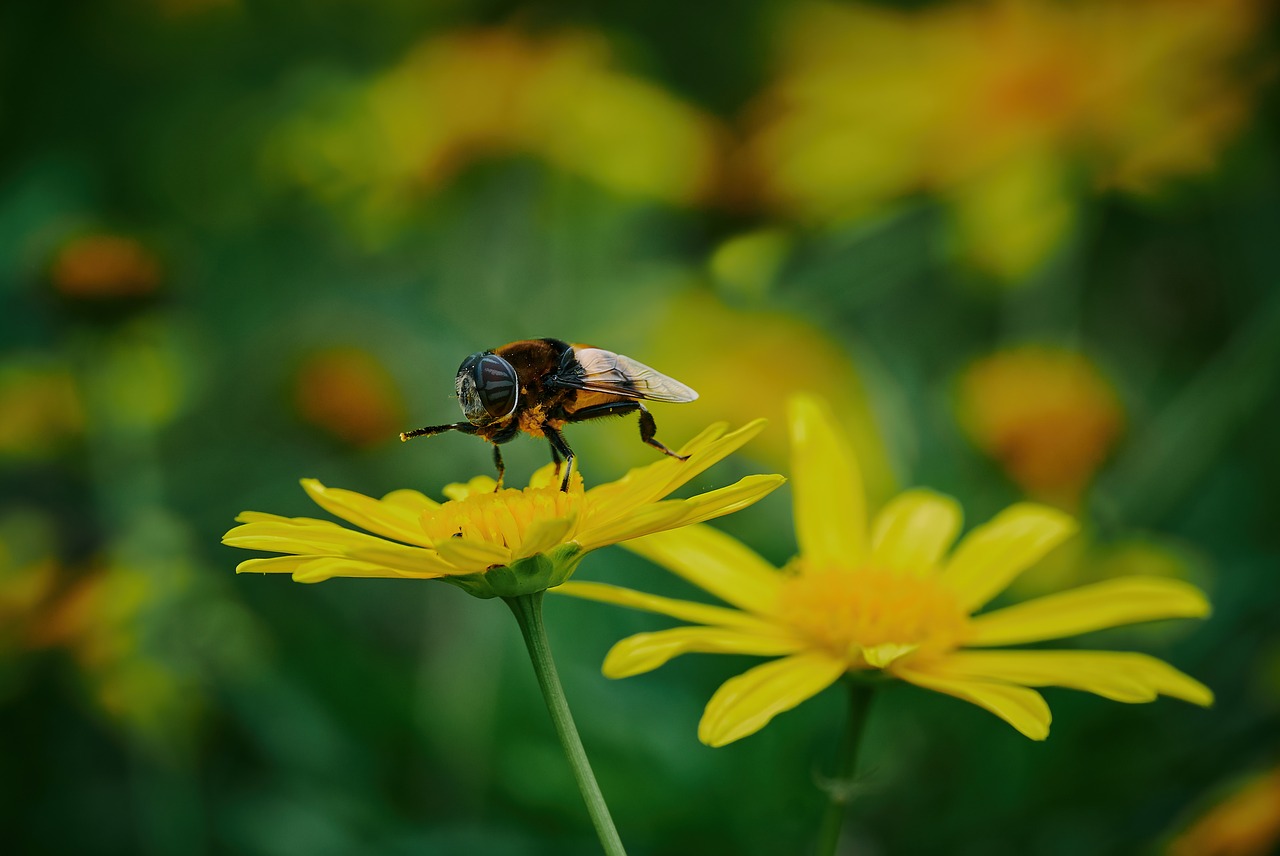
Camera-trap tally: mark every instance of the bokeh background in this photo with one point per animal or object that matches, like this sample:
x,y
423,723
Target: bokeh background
x,y
1027,248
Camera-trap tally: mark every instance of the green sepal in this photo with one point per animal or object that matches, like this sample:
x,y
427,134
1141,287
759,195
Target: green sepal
x,y
523,576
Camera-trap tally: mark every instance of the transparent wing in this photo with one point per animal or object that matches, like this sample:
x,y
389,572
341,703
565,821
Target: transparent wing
x,y
613,374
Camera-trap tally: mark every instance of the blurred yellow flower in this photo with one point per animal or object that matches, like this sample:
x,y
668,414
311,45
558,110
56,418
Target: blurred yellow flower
x,y
475,94
495,542
746,362
349,394
1048,415
1245,823
28,572
885,595
997,105
105,266
100,620
40,407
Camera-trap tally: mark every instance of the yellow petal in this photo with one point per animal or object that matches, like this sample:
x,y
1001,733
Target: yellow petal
x,y
655,481
914,531
380,518
641,521
264,517
469,556
830,507
726,500
1111,603
274,565
411,500
991,556
684,610
324,539
1023,708
879,656
461,490
1117,675
542,535
745,704
647,651
716,563
320,569
313,569
649,483
716,451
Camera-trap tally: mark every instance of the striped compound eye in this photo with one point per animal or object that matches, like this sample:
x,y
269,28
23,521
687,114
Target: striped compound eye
x,y
488,388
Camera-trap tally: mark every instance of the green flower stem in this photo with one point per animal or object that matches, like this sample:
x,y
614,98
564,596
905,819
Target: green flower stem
x,y
528,612
840,790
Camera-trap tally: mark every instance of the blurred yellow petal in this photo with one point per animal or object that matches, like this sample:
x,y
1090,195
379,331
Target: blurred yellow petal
x,y
716,563
991,556
1117,675
703,333
914,531
683,610
380,518
645,652
745,704
1012,216
1245,821
1111,603
830,507
1023,708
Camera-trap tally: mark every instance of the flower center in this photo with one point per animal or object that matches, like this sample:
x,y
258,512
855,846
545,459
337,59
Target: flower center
x,y
504,517
871,616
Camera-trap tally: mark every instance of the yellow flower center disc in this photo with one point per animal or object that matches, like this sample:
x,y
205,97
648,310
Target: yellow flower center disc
x,y
503,517
850,612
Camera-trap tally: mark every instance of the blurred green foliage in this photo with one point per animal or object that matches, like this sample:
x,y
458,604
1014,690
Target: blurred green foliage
x,y
243,242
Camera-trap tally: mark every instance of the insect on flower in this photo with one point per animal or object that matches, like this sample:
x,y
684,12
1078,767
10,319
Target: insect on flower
x,y
537,386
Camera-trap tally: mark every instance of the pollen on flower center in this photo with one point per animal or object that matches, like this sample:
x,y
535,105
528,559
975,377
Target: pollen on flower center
x,y
503,517
849,612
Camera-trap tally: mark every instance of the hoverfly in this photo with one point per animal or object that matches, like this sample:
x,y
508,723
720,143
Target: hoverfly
x,y
537,386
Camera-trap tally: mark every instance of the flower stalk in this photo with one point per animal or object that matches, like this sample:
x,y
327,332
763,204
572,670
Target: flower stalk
x,y
842,789
527,609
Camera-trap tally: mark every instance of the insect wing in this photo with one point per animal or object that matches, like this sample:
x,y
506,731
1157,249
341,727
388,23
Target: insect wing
x,y
613,374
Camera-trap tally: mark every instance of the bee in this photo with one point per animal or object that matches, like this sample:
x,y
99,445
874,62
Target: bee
x,y
537,386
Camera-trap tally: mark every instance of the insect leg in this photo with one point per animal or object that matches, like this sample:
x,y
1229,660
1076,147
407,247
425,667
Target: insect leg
x,y
597,411
648,428
555,457
617,408
560,447
431,430
497,462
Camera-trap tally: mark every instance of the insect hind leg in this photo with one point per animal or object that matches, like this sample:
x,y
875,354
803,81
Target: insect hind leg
x,y
648,428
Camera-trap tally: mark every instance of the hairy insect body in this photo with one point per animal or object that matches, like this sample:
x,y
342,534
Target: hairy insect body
x,y
537,386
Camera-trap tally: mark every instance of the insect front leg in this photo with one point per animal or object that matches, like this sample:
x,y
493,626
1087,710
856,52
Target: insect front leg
x,y
431,430
497,462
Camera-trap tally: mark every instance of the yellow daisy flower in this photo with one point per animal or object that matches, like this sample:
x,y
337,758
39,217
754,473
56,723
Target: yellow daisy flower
x,y
886,596
494,543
